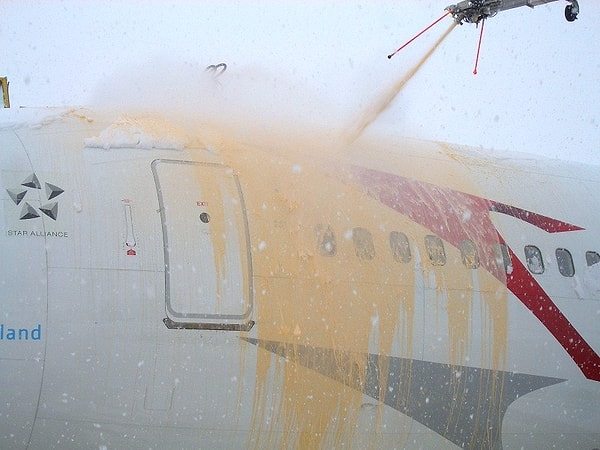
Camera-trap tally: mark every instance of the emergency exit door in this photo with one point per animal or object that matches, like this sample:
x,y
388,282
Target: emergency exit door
x,y
208,279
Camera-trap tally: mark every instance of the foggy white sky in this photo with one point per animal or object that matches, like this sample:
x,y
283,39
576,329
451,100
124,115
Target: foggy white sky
x,y
537,90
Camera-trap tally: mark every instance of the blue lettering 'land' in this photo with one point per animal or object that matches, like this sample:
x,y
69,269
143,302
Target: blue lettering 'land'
x,y
20,333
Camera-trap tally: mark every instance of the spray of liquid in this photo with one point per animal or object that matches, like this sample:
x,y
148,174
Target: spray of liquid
x,y
370,115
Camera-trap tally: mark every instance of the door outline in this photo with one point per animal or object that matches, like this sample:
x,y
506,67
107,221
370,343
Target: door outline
x,y
205,320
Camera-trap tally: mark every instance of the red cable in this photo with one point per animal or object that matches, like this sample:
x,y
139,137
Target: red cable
x,y
392,54
478,48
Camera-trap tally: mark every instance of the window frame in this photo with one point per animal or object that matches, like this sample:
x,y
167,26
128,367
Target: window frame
x,y
469,254
325,235
530,252
592,258
564,256
503,256
400,246
364,247
436,252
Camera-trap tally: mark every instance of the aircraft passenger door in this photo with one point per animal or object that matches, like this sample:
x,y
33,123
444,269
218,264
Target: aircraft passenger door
x,y
206,246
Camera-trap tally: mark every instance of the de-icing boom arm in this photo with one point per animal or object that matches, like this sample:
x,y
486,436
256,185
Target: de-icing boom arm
x,y
474,11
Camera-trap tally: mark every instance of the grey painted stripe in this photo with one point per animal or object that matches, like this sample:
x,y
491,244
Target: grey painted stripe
x,y
465,405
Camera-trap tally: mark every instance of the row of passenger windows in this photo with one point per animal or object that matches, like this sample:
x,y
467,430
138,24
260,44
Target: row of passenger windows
x,y
564,260
364,249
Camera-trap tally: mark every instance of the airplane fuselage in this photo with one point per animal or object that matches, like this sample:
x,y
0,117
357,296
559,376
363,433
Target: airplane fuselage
x,y
395,293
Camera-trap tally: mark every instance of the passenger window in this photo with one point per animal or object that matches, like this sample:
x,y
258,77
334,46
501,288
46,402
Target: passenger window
x,y
592,258
363,243
325,240
468,252
400,247
565,262
535,263
503,257
435,250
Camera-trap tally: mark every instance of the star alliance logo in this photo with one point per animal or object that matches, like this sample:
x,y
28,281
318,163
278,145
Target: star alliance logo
x,y
28,212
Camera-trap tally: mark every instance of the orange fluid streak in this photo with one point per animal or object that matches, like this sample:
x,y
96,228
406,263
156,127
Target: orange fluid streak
x,y
385,101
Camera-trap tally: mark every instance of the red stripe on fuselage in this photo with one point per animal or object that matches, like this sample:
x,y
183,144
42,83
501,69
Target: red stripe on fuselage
x,y
545,223
451,215
522,284
456,216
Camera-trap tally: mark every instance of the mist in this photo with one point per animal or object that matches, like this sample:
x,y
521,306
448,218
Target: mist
x,y
321,67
